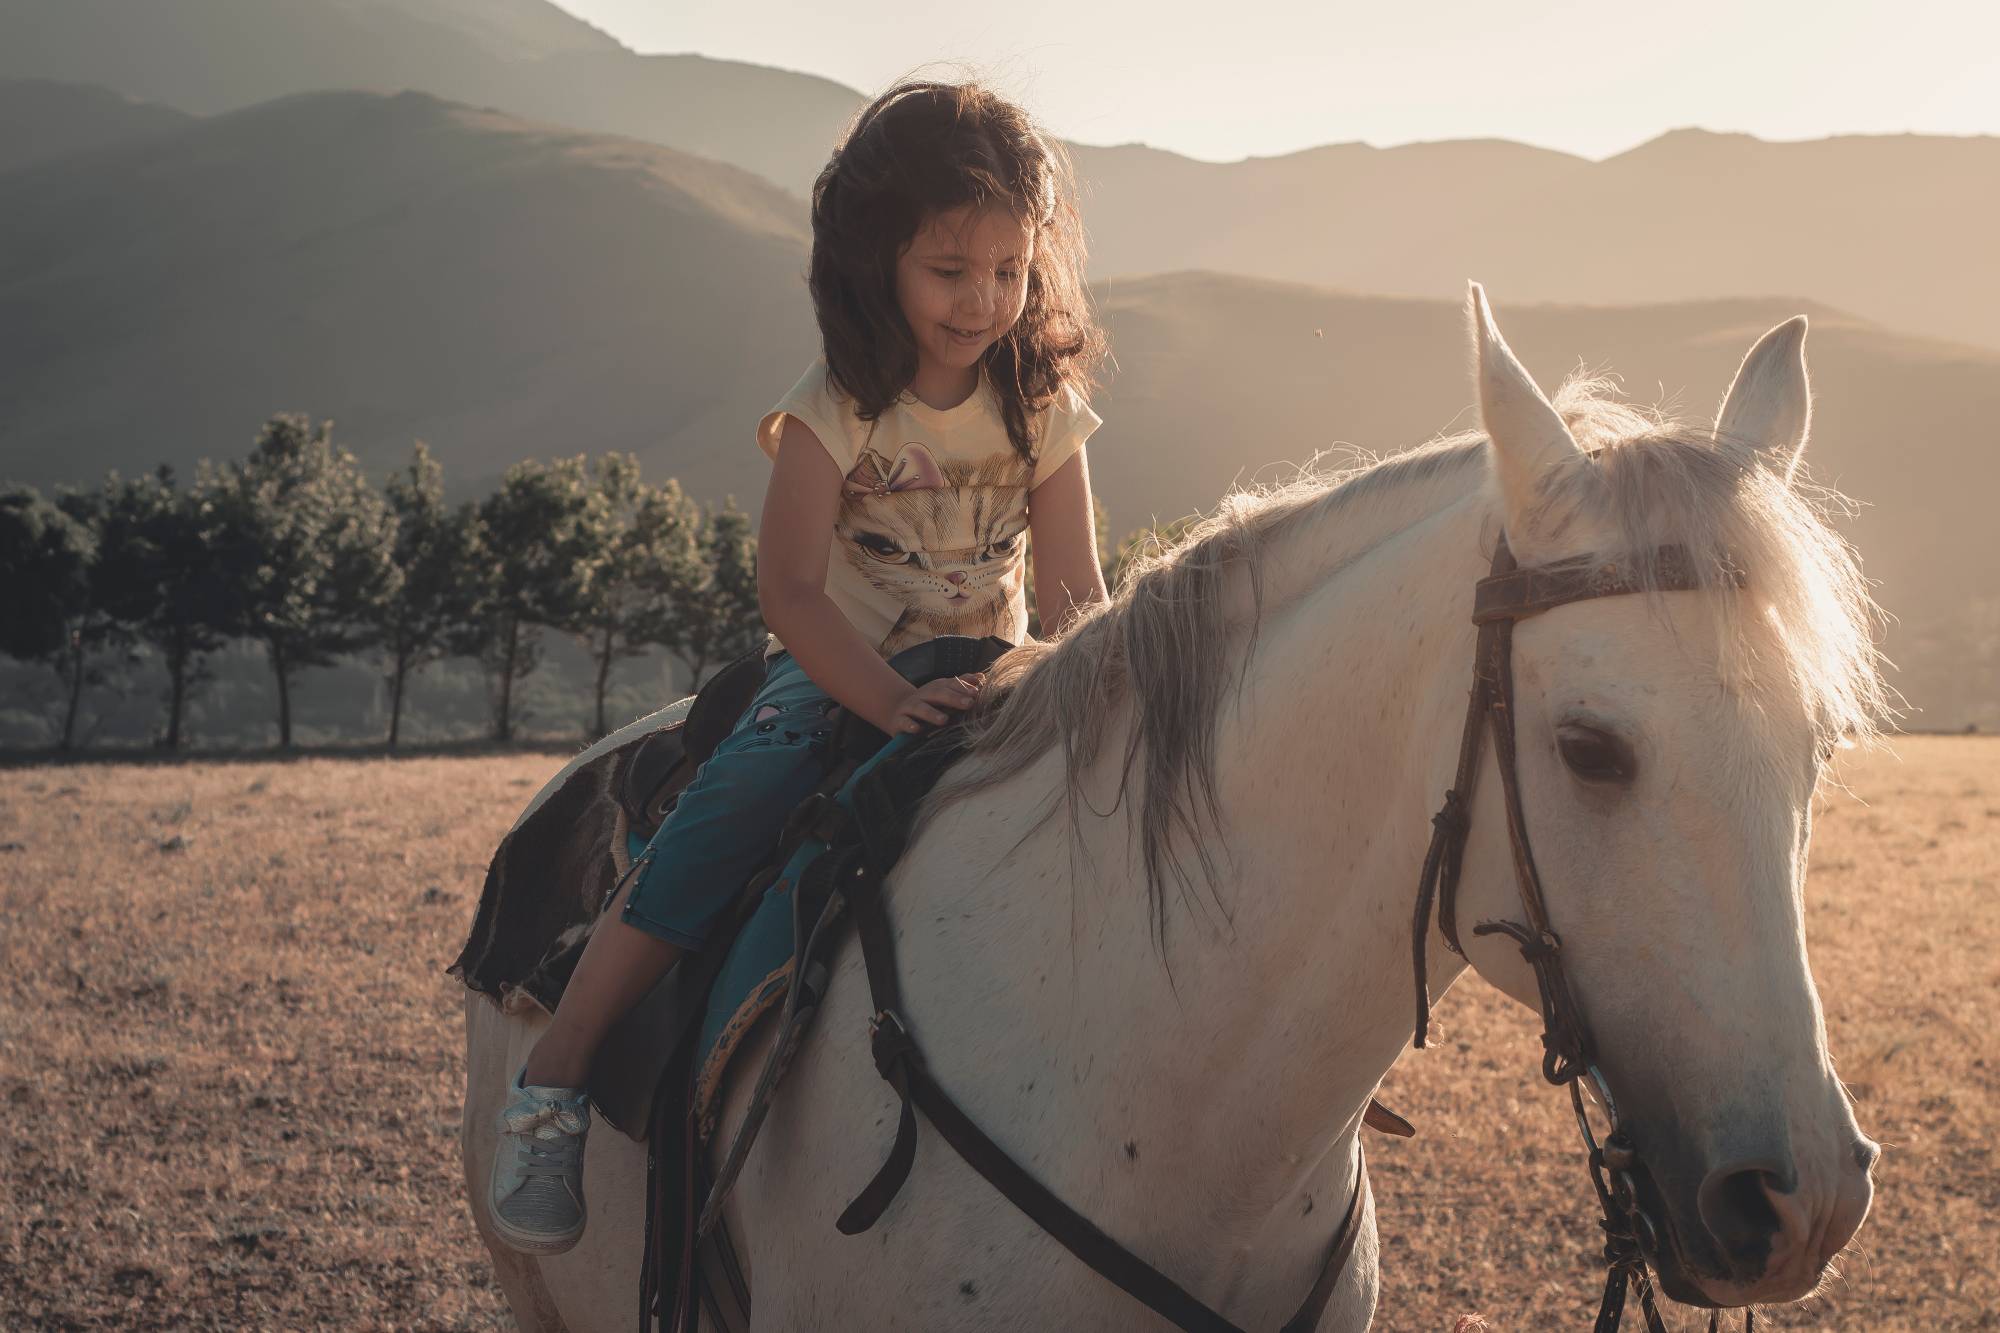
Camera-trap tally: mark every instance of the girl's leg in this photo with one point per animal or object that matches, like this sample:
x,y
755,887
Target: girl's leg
x,y
723,825
719,832
619,965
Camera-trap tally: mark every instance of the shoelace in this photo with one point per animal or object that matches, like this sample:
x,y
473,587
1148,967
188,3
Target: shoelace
x,y
548,1138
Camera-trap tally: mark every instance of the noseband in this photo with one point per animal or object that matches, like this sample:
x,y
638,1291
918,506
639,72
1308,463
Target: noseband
x,y
1508,594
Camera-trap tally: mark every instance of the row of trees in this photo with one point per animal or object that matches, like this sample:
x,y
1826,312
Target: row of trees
x,y
294,548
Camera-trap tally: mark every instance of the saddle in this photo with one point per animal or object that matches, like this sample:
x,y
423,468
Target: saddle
x,y
629,1075
659,1074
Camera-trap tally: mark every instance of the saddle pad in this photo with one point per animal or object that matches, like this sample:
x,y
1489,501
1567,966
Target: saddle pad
x,y
763,960
753,981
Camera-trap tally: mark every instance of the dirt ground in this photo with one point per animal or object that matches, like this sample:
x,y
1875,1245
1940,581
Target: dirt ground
x,y
230,1060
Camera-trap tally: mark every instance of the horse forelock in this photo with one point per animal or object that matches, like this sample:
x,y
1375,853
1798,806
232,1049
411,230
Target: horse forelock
x,y
1164,652
1803,631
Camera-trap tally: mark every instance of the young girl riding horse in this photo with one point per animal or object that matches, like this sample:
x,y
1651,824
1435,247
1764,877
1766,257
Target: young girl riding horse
x,y
943,427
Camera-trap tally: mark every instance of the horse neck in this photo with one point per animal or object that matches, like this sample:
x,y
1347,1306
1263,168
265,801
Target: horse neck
x,y
1284,998
1203,1106
1330,761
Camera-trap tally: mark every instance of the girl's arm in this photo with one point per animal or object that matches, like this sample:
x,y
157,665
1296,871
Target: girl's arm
x,y
1068,579
793,539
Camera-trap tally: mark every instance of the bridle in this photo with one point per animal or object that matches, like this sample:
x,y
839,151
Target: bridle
x,y
1506,595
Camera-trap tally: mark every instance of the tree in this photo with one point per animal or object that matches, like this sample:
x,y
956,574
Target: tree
x,y
640,544
310,550
718,618
423,615
158,578
46,611
533,573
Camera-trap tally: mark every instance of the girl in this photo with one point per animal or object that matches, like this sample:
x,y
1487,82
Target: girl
x,y
944,424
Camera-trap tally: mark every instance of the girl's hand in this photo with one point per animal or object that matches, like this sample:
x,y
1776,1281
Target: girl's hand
x,y
925,706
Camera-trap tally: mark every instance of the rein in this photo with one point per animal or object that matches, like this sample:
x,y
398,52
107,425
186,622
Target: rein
x,y
1506,595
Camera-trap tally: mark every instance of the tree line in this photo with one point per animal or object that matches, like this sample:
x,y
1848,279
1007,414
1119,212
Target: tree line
x,y
293,547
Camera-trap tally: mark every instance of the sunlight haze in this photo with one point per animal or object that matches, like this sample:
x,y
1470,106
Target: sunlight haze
x,y
1251,80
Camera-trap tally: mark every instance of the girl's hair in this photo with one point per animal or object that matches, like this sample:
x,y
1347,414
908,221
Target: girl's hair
x,y
925,148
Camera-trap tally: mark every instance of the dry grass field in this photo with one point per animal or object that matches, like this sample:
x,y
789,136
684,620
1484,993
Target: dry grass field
x,y
230,1059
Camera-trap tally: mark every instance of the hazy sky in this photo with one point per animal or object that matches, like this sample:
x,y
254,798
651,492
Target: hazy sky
x,y
1222,80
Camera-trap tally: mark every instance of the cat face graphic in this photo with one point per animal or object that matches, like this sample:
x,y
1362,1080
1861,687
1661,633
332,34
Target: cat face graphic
x,y
949,552
935,580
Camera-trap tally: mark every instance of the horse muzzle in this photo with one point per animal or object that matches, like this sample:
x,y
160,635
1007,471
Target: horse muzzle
x,y
1754,1231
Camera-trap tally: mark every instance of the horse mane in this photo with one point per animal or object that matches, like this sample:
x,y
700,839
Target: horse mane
x,y
1161,653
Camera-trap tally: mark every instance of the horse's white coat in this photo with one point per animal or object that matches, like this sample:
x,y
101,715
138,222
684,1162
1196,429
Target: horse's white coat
x,y
1203,1108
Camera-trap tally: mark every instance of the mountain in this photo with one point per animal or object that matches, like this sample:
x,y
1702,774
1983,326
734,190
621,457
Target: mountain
x,y
411,268
40,119
1896,228
218,55
506,289
779,124
526,57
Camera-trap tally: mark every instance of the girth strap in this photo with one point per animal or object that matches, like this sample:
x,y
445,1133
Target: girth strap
x,y
883,825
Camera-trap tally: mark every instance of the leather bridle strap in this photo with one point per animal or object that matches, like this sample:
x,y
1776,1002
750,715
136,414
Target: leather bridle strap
x,y
857,876
1507,594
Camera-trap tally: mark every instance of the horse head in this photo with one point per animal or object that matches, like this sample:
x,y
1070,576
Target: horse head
x,y
1669,746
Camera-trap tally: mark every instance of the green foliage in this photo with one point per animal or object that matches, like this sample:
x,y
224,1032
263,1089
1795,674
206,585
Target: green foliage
x,y
159,577
309,550
719,619
535,570
44,575
434,603
46,614
670,564
639,545
291,549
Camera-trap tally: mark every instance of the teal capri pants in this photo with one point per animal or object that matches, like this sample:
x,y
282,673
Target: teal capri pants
x,y
729,817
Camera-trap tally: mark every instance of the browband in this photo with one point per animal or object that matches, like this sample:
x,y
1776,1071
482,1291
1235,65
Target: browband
x,y
1531,590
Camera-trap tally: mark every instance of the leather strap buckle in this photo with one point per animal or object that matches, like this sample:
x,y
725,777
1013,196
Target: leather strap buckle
x,y
890,1042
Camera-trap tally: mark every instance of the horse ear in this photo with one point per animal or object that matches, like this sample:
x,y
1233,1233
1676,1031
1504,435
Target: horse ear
x,y
1769,406
1528,435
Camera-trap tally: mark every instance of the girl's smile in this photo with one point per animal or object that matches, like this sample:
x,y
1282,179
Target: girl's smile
x,y
962,284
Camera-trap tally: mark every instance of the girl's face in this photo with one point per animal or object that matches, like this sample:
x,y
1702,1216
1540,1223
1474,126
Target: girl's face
x,y
962,282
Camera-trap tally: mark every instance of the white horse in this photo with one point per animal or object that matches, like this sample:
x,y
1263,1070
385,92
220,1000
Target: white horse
x,y
1155,933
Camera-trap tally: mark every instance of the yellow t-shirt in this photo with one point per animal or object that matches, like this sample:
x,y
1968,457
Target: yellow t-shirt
x,y
932,516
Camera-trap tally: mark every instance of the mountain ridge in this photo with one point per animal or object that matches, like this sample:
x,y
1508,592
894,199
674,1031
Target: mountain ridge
x,y
44,119
504,289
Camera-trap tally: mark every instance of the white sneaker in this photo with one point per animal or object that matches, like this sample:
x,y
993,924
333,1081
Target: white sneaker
x,y
536,1199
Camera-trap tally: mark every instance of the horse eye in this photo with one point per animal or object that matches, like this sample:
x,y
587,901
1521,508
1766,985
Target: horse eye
x,y
1595,756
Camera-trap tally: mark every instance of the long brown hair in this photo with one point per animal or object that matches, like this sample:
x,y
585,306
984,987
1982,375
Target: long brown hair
x,y
924,148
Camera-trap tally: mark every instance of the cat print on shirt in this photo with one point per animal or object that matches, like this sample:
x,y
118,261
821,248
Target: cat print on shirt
x,y
944,540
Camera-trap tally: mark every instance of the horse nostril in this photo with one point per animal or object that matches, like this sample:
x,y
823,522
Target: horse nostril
x,y
1738,1207
1866,1153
